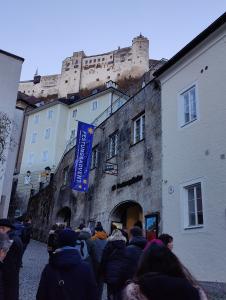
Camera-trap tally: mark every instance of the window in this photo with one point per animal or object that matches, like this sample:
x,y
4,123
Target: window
x,y
45,155
194,206
94,105
188,101
94,161
47,133
138,128
36,119
113,145
31,157
66,175
74,113
90,61
72,134
103,59
34,137
50,114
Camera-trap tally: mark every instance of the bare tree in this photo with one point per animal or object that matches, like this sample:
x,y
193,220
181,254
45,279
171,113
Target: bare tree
x,y
6,138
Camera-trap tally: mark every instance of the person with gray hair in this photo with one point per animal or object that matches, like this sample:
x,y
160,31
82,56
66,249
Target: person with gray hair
x,y
5,244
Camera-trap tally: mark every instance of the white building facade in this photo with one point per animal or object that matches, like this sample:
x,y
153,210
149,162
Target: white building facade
x,y
81,72
10,69
194,152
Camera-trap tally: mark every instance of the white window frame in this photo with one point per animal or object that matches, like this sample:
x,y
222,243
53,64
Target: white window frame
x,y
36,119
185,204
45,155
181,105
94,105
94,161
34,137
50,114
113,144
141,128
30,160
47,133
74,113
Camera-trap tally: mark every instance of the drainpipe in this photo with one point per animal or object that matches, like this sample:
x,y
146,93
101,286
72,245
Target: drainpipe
x,y
112,101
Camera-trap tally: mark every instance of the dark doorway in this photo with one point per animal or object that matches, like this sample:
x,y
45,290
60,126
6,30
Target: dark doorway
x,y
64,216
126,214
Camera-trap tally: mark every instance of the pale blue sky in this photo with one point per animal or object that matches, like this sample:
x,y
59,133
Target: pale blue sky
x,y
45,32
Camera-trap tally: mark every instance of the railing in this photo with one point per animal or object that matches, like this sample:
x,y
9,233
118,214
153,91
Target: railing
x,y
110,110
102,117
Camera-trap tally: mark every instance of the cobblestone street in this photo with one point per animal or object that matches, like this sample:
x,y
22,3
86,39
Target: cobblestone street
x,y
34,260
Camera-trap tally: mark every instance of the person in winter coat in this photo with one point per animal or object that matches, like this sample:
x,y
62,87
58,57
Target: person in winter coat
x,y
99,241
27,231
160,287
158,275
5,244
167,240
133,251
112,264
52,240
85,235
67,276
12,262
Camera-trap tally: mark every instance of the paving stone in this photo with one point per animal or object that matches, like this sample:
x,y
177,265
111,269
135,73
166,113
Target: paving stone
x,y
34,260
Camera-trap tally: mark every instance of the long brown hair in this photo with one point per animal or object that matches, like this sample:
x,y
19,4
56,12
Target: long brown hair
x,y
159,259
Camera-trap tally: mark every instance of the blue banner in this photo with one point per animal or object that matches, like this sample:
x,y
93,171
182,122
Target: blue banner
x,y
83,156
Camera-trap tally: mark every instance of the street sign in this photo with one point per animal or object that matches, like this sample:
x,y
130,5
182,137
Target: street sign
x,y
111,169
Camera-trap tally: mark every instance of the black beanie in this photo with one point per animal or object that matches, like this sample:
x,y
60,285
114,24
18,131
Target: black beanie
x,y
67,237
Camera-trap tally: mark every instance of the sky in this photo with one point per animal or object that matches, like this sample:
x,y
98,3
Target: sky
x,y
45,32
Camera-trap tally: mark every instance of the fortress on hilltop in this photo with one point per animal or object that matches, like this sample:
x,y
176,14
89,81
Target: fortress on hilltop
x,y
81,72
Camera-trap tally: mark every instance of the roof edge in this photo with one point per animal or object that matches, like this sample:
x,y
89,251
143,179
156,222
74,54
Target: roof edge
x,y
196,41
12,55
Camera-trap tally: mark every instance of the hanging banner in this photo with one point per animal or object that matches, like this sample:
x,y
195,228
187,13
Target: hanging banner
x,y
83,156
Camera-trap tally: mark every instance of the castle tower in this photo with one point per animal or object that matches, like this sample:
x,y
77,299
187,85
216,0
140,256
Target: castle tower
x,y
71,74
140,50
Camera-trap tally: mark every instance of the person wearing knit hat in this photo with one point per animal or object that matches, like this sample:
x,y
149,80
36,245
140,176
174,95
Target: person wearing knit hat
x,y
99,240
113,263
67,237
67,276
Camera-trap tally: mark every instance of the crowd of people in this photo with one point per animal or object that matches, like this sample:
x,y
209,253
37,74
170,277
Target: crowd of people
x,y
81,262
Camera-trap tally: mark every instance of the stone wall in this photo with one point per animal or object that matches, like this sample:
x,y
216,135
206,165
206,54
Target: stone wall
x,y
139,169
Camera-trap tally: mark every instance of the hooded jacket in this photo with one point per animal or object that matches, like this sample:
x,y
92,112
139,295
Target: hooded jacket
x,y
133,253
112,264
67,277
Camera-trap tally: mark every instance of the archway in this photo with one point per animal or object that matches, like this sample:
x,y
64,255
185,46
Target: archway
x,y
64,216
126,214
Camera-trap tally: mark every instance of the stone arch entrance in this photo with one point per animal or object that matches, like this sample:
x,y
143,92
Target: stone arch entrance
x,y
126,214
64,215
